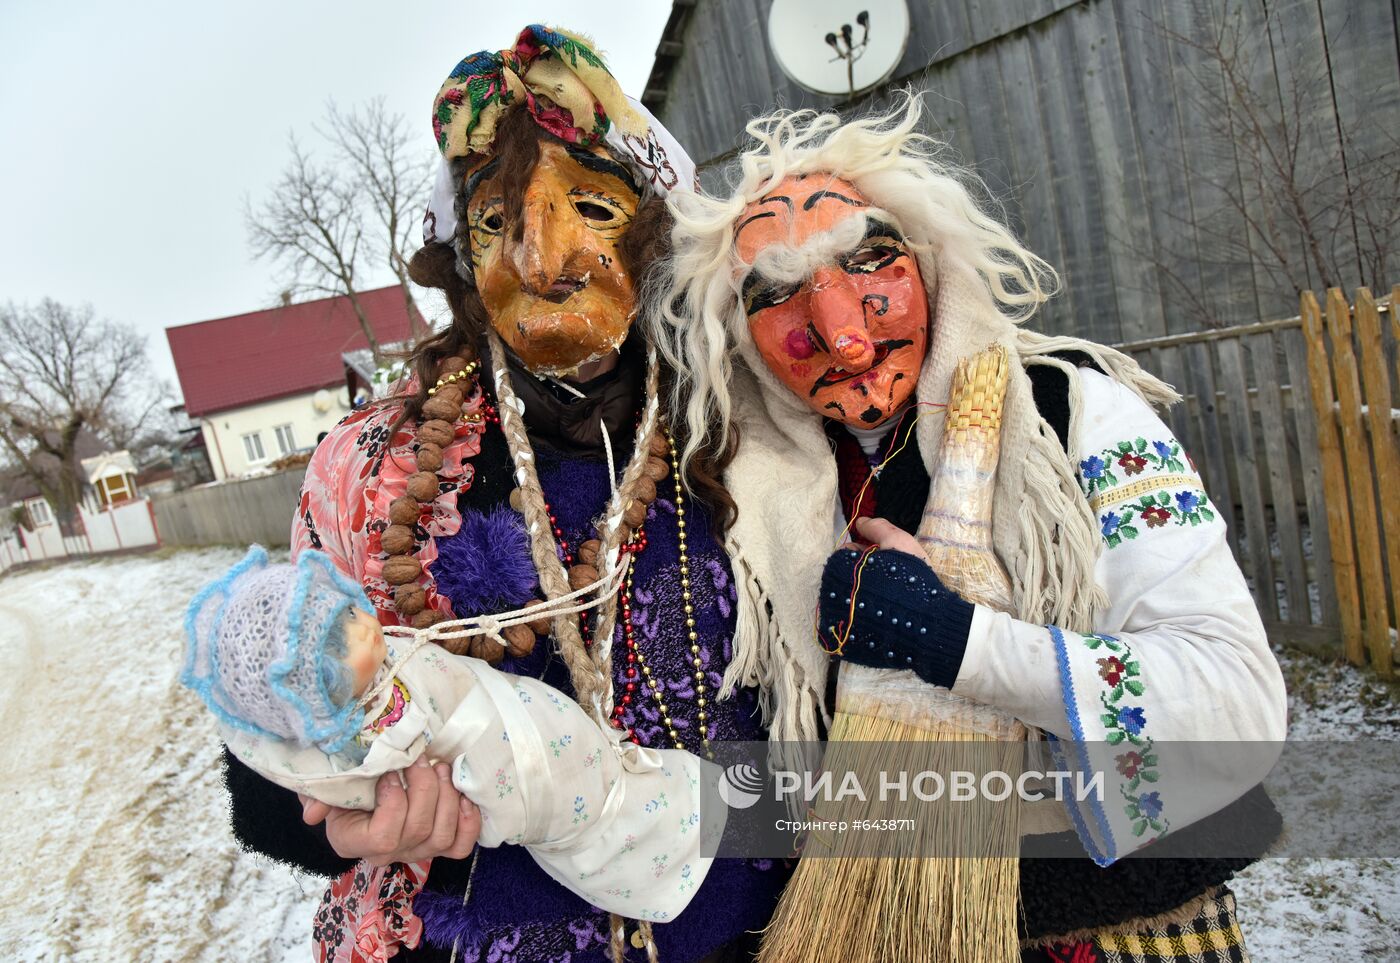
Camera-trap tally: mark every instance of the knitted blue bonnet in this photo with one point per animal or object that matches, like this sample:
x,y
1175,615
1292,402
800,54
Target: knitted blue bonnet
x,y
265,650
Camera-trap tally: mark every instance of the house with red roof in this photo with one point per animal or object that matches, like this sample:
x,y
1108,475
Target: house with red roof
x,y
265,384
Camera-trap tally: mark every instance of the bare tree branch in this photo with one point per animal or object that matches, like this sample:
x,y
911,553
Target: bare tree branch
x,y
64,373
311,225
378,148
323,223
1299,199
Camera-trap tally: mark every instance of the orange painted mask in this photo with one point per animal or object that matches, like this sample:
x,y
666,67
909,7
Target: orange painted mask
x,y
560,296
849,335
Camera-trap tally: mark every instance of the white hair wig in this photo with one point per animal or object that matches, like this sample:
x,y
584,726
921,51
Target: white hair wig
x,y
699,320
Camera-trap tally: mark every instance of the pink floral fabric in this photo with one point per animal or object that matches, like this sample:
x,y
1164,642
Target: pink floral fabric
x,y
367,914
354,475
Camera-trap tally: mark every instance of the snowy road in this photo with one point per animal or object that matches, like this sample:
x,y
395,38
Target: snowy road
x,y
114,833
117,848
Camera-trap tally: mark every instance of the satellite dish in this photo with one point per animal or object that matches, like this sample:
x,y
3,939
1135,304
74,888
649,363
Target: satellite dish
x,y
321,401
838,47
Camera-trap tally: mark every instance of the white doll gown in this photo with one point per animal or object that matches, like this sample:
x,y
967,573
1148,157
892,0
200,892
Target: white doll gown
x,y
617,824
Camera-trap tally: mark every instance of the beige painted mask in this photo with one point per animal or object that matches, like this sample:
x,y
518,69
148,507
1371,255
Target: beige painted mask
x,y
559,296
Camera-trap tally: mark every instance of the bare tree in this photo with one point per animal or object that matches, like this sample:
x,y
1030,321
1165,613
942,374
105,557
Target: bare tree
x,y
1303,198
313,225
326,222
150,437
393,175
67,373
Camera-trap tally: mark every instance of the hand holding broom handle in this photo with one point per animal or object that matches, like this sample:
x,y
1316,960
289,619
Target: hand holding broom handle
x,y
956,534
952,895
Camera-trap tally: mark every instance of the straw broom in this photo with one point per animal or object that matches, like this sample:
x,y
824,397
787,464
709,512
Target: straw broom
x,y
856,906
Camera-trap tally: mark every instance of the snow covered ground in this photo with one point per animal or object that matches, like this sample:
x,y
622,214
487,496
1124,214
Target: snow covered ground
x,y
115,839
1327,909
117,847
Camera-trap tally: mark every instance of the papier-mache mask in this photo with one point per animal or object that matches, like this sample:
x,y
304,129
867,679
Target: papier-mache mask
x,y
835,302
559,293
556,289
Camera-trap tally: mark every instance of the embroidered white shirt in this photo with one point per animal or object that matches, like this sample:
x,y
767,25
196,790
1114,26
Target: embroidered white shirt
x,y
1179,655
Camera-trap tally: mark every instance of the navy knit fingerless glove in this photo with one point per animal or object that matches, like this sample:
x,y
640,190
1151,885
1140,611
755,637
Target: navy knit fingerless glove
x,y
905,618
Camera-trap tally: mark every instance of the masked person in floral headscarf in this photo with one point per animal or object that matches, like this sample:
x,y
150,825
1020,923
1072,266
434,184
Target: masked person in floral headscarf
x,y
528,460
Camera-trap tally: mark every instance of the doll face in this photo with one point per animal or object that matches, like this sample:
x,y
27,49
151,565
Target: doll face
x,y
559,296
849,337
365,648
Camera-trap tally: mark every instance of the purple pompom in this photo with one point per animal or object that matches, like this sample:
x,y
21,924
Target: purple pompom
x,y
486,566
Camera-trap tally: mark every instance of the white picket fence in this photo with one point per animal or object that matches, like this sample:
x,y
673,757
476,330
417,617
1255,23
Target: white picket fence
x,y
130,524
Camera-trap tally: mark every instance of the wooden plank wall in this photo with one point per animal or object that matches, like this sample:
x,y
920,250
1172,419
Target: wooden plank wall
x,y
1091,125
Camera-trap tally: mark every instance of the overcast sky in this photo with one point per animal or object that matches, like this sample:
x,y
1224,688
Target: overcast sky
x,y
133,132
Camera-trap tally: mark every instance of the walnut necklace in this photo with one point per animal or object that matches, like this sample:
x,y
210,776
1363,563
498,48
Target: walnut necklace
x,y
621,536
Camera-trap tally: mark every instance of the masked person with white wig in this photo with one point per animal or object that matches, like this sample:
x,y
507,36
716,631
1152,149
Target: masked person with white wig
x,y
527,466
818,313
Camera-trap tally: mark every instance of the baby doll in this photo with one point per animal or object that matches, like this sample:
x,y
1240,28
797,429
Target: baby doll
x,y
308,692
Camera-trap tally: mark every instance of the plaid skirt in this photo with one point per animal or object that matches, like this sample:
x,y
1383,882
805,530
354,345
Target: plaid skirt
x,y
1211,936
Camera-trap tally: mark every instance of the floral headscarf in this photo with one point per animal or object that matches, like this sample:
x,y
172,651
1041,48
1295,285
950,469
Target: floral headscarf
x,y
569,92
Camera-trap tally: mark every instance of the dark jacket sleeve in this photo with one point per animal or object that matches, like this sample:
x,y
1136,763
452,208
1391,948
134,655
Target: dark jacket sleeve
x,y
267,819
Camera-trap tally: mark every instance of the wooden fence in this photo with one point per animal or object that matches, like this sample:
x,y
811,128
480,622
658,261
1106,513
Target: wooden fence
x,y
123,526
1350,359
1291,424
256,509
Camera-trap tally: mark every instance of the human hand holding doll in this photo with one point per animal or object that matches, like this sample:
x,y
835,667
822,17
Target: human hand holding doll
x,y
310,694
418,814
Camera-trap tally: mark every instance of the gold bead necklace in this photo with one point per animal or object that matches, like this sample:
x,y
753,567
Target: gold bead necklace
x,y
692,636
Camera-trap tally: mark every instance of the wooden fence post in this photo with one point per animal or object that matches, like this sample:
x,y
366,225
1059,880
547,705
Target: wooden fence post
x,y
1395,322
1334,480
1274,438
1360,480
1241,421
1376,378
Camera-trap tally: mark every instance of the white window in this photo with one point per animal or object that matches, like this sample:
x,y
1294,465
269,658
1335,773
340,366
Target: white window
x,y
39,512
252,447
284,439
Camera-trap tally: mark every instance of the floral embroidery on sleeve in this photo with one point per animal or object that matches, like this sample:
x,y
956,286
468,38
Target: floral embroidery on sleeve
x,y
1184,507
1126,725
1132,458
1140,484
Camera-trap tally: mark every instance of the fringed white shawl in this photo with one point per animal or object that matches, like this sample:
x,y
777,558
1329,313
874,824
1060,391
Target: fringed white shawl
x,y
783,480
